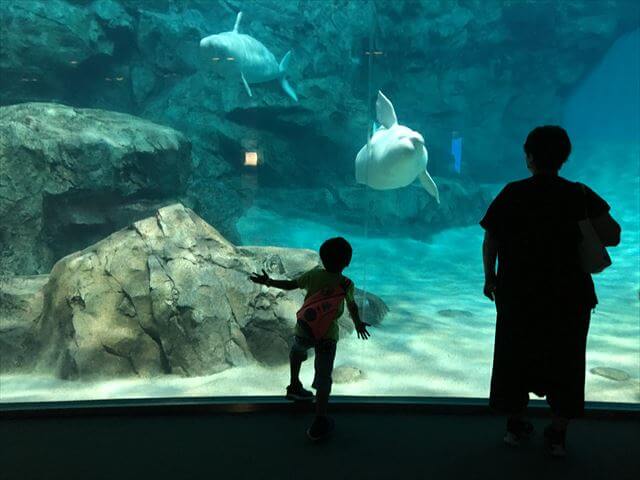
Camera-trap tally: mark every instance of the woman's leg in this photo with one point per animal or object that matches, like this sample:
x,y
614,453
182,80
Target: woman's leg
x,y
566,395
559,423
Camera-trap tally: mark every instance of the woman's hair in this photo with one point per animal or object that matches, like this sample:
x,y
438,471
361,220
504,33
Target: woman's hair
x,y
549,147
335,254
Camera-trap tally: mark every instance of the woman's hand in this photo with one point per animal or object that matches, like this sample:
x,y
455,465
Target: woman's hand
x,y
260,279
490,288
489,257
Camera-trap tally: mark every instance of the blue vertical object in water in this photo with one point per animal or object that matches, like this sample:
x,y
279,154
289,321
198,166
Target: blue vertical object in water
x,y
456,151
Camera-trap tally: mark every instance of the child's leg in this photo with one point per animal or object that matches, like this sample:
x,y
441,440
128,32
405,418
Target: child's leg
x,y
325,355
295,363
297,355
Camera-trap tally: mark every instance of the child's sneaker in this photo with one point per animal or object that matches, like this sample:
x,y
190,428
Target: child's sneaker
x,y
554,441
320,428
298,394
517,430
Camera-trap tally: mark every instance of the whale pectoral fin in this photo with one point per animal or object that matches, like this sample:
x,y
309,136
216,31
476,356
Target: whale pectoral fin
x,y
286,86
246,85
284,63
429,185
237,24
385,114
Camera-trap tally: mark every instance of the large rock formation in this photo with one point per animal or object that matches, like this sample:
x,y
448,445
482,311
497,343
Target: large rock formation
x,y
166,295
72,176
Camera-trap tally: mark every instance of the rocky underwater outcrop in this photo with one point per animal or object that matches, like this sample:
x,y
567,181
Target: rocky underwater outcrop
x,y
70,176
166,295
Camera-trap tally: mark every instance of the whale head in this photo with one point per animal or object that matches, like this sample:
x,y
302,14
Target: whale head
x,y
413,141
217,47
405,142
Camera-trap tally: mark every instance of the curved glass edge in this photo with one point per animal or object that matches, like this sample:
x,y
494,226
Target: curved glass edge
x,y
257,404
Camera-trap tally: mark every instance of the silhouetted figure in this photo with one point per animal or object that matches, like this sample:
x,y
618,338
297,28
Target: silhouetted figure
x,y
317,325
543,297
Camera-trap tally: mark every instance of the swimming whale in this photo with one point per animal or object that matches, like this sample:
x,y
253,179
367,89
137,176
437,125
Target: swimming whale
x,y
394,156
236,53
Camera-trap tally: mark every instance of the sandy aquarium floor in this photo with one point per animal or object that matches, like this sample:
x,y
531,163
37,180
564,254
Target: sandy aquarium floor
x,y
437,339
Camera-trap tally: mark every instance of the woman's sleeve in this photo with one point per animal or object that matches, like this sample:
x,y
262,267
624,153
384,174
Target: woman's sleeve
x,y
493,220
596,205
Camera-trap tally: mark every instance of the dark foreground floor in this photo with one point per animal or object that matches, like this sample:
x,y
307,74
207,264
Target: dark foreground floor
x,y
274,446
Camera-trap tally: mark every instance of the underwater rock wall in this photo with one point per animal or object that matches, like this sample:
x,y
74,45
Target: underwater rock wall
x,y
71,176
490,70
404,212
167,295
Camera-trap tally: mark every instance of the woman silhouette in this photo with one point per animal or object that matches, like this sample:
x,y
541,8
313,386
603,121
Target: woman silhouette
x,y
543,297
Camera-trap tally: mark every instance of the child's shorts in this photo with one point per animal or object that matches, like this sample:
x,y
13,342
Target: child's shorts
x,y
325,353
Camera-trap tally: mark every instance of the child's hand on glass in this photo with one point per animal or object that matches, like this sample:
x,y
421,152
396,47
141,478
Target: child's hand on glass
x,y
361,328
260,279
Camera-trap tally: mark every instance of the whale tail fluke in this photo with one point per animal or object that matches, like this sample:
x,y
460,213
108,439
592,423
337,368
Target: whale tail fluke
x,y
286,86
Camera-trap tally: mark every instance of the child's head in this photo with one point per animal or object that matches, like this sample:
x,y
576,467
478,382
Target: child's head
x,y
335,254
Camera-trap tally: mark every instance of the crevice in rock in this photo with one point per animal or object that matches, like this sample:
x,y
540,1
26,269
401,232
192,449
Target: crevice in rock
x,y
269,119
68,367
113,352
122,290
76,299
164,359
158,217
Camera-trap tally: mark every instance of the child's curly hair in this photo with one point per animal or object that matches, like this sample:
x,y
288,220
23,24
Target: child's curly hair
x,y
335,254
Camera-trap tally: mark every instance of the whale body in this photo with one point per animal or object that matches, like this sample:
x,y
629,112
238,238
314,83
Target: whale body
x,y
394,156
234,53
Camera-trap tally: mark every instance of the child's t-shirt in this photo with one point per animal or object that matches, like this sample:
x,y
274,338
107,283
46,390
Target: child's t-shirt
x,y
315,280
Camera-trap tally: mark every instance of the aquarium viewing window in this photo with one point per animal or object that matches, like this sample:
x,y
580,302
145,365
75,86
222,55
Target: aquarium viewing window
x,y
151,163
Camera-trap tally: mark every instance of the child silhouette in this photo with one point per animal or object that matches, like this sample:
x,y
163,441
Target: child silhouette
x,y
327,290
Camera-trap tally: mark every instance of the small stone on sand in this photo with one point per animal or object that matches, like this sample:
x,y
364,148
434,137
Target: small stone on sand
x,y
611,373
453,313
346,374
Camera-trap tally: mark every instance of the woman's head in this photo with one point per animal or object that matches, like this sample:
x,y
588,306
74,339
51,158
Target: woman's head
x,y
547,148
335,254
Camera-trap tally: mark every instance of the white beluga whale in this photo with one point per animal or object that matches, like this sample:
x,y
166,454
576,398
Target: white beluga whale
x,y
237,53
394,156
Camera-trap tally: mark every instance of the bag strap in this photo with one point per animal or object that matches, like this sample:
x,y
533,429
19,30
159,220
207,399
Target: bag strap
x,y
583,189
345,283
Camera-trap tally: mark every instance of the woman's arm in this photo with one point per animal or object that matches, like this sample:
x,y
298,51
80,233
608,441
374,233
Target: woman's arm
x,y
489,257
608,229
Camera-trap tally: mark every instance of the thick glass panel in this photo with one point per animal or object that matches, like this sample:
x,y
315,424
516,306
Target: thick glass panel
x,y
154,154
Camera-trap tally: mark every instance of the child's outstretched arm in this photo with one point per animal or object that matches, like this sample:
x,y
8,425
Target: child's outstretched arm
x,y
361,327
264,279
